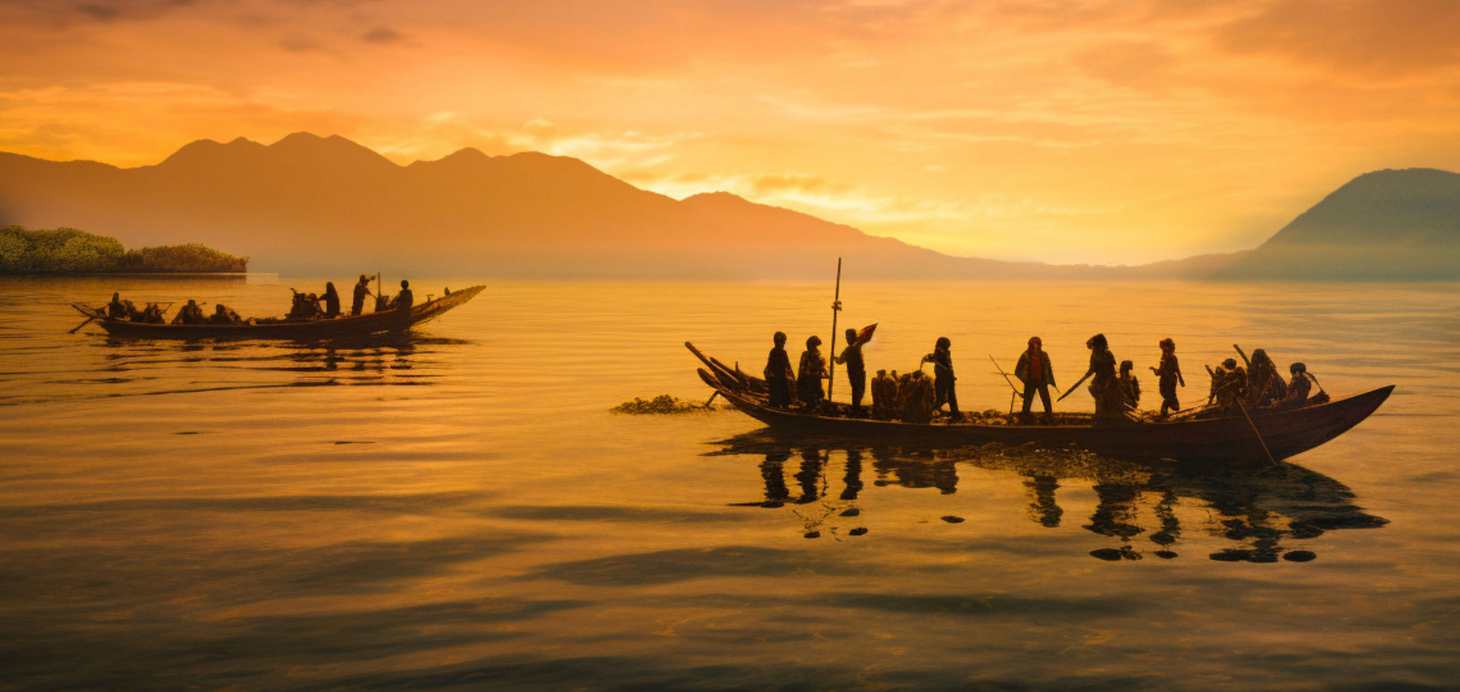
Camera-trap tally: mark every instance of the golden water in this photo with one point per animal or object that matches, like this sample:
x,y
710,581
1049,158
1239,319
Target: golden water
x,y
461,511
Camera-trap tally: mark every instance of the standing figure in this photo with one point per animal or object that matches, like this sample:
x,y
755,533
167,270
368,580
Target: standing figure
x,y
1130,387
331,300
1103,384
943,378
1037,374
856,369
405,298
810,374
362,289
778,374
1168,375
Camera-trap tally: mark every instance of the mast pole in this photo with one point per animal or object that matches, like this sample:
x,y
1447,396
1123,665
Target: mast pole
x,y
836,306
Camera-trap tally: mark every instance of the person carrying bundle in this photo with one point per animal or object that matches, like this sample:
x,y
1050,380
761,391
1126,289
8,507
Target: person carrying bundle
x,y
943,378
809,375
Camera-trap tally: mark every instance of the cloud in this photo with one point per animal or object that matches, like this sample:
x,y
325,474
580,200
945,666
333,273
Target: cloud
x,y
1388,38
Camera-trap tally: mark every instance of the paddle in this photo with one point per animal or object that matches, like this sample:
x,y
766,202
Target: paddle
x,y
1072,389
1260,441
836,306
1005,374
83,324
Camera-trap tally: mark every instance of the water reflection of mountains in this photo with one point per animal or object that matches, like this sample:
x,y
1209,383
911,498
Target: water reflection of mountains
x,y
1260,509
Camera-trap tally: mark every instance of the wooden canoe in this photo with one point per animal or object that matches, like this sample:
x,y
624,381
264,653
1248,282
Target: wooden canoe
x,y
389,321
1286,432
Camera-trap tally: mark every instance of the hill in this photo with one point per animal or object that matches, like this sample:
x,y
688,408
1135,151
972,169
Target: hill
x,y
326,204
1384,225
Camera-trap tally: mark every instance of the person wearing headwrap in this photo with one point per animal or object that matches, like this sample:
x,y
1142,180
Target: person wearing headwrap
x,y
943,378
1168,375
1037,374
810,374
778,374
1104,387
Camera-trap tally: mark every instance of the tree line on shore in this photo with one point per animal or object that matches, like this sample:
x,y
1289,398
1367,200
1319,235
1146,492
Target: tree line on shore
x,y
73,251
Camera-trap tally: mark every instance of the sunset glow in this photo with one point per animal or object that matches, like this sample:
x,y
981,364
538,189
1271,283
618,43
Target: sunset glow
x,y
1082,131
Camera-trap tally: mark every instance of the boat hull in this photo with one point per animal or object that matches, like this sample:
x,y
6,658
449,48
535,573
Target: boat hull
x,y
301,330
1286,432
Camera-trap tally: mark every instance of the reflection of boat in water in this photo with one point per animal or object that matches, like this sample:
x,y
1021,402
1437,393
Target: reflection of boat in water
x,y
1258,510
384,322
1286,432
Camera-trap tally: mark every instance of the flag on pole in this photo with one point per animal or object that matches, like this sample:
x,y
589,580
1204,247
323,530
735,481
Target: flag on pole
x,y
866,334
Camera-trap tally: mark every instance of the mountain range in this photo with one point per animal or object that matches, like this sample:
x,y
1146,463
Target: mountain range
x,y
326,204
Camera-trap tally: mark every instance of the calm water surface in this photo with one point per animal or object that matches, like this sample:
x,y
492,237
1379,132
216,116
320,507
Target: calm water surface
x,y
461,511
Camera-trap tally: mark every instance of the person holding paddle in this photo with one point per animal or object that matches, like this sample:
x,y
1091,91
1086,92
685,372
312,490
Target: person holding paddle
x,y
362,289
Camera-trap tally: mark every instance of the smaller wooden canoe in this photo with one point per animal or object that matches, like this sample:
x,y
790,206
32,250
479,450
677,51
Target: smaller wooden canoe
x,y
297,330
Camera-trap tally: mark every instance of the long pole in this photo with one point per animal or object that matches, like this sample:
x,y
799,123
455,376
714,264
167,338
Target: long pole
x,y
836,306
1260,441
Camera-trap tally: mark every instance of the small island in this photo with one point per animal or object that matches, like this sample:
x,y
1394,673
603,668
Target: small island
x,y
71,251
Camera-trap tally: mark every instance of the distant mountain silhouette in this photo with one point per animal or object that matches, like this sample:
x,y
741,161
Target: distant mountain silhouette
x,y
326,204
1384,225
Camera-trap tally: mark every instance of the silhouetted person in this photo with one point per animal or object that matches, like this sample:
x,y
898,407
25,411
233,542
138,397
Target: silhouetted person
x,y
1130,386
222,314
856,369
119,309
1298,389
1037,374
331,300
152,314
1264,385
190,314
943,378
1103,385
1229,385
362,289
405,298
778,373
1168,375
810,374
305,307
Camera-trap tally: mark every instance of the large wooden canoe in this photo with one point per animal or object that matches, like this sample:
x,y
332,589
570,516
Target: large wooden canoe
x,y
388,321
1286,432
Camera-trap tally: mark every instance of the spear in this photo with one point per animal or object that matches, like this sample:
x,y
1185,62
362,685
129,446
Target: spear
x,y
836,306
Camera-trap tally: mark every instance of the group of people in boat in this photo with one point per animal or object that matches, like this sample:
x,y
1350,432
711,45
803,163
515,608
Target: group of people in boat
x,y
306,306
1115,389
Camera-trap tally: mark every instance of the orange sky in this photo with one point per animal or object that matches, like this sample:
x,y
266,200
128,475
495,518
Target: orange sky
x,y
1065,131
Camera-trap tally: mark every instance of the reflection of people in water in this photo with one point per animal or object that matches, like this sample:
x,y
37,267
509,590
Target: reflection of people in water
x,y
1042,506
1261,510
